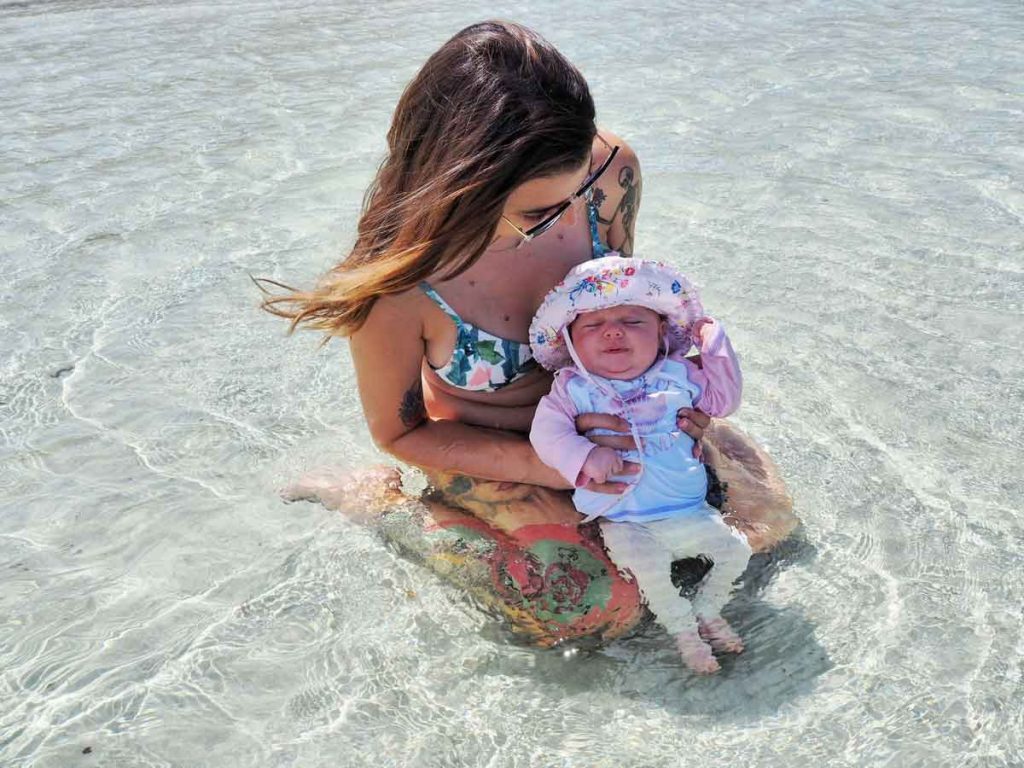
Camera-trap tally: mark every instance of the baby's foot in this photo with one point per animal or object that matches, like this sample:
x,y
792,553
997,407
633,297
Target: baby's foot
x,y
696,653
722,637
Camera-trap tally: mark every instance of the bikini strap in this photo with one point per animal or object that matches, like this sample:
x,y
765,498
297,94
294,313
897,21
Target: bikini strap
x,y
597,247
444,305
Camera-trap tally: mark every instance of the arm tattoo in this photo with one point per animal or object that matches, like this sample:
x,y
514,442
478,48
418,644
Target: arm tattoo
x,y
412,411
627,207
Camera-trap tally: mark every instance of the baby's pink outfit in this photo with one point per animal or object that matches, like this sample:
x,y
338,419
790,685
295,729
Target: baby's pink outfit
x,y
664,515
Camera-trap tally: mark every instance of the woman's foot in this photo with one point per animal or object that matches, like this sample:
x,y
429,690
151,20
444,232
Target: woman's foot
x,y
722,637
696,653
359,495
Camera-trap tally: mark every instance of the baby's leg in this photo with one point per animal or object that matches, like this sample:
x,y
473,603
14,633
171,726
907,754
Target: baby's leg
x,y
633,547
728,549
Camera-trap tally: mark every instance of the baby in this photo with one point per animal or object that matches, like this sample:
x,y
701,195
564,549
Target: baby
x,y
616,330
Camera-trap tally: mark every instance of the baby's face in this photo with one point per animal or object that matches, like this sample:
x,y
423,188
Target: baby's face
x,y
618,343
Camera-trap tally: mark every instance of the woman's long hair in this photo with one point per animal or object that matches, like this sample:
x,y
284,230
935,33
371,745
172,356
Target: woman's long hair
x,y
494,107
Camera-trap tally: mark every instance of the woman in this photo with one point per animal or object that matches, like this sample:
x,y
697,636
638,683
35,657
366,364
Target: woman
x,y
496,183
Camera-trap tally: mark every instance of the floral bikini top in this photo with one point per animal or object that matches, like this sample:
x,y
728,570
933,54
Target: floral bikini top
x,y
483,362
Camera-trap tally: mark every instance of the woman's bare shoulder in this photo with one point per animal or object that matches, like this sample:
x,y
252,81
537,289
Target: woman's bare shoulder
x,y
407,304
397,313
625,150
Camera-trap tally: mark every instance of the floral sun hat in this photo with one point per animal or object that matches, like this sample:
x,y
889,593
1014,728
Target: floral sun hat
x,y
610,282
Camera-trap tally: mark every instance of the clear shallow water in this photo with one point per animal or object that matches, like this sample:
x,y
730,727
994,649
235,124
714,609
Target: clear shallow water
x,y
844,179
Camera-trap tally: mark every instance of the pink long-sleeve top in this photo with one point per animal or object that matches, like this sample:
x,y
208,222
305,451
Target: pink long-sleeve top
x,y
714,387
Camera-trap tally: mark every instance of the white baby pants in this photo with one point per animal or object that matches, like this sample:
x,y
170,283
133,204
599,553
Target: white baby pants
x,y
648,549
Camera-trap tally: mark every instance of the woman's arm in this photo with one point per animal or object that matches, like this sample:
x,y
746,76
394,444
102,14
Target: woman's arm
x,y
442,405
489,454
388,355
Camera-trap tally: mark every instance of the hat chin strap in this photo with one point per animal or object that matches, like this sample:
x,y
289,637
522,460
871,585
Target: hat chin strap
x,y
579,363
656,369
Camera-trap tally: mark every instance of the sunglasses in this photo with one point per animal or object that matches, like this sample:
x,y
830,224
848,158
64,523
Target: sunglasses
x,y
550,221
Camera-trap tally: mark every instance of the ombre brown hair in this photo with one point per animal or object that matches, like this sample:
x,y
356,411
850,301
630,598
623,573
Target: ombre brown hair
x,y
494,107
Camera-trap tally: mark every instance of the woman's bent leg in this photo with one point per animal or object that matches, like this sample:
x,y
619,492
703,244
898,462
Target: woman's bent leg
x,y
549,575
755,498
519,549
527,555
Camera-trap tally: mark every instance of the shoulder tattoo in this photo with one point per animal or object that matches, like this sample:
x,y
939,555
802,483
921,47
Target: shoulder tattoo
x,y
626,210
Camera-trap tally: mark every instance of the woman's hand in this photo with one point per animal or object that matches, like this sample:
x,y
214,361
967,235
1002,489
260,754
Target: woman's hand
x,y
693,423
586,422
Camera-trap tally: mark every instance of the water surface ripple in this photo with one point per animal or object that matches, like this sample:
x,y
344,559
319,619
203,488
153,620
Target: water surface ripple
x,y
843,179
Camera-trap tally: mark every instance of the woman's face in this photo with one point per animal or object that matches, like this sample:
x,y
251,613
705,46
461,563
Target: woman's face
x,y
533,201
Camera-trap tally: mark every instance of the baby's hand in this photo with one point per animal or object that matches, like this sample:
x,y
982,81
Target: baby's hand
x,y
698,329
602,463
